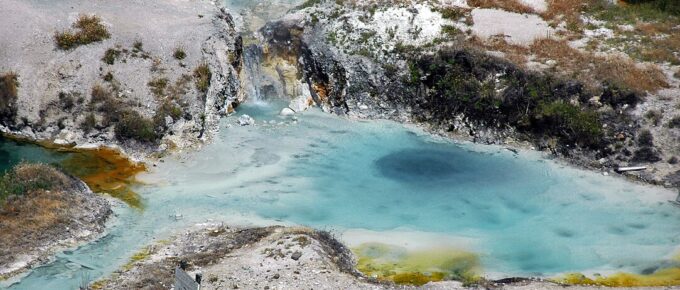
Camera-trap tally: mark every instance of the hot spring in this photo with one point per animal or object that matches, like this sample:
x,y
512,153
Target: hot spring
x,y
391,192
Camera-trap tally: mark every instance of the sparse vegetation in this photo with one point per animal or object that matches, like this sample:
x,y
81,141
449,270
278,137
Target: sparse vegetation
x,y
110,56
645,138
9,85
654,116
158,86
138,46
509,5
674,122
27,178
132,126
202,77
88,28
179,53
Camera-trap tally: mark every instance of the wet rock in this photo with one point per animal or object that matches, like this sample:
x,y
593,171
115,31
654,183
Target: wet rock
x,y
296,256
287,112
245,120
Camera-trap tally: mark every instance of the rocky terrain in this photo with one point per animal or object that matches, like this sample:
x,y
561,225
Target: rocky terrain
x,y
42,211
267,258
146,76
549,81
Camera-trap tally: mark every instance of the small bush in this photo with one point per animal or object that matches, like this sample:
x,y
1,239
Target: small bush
x,y
132,126
89,29
179,53
674,122
202,75
108,77
654,116
581,125
89,123
66,101
138,46
158,86
8,97
645,138
452,13
110,56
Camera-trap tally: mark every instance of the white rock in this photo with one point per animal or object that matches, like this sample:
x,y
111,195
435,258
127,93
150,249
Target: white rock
x,y
287,112
60,142
363,107
245,120
520,29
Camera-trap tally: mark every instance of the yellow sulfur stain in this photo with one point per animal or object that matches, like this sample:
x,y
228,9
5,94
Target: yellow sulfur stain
x,y
387,262
663,277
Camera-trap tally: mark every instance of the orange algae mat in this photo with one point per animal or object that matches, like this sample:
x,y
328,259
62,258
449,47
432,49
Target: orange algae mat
x,y
105,170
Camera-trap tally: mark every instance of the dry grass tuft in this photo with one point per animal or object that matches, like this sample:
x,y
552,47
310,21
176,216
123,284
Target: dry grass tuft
x,y
508,5
593,70
88,28
8,96
202,76
568,11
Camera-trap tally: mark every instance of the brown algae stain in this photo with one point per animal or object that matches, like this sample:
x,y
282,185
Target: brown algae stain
x,y
105,170
399,265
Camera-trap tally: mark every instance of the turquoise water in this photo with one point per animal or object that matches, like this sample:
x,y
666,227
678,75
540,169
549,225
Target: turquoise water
x,y
12,153
523,214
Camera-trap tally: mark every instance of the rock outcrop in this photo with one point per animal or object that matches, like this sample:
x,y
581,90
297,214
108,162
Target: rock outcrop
x,y
160,79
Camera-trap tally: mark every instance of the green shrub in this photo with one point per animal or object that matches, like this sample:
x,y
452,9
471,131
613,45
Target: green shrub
x,y
654,116
202,76
583,126
674,122
8,97
645,138
89,123
132,126
110,56
665,6
89,29
179,53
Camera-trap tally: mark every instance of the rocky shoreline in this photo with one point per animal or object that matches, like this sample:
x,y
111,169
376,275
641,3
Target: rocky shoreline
x,y
37,225
270,258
